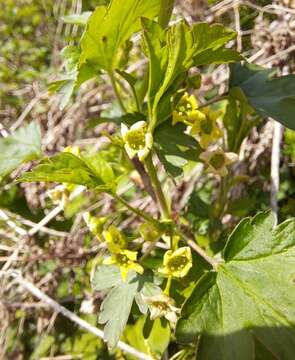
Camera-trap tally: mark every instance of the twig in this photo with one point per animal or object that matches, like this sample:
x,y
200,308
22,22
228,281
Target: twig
x,y
53,213
45,220
12,224
277,55
275,167
68,314
238,24
27,110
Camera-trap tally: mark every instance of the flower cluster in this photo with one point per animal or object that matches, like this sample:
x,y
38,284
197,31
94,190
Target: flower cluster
x,y
202,123
121,256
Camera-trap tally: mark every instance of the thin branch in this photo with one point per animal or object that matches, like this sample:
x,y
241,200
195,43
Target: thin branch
x,y
45,220
27,110
19,230
238,24
278,55
70,315
54,212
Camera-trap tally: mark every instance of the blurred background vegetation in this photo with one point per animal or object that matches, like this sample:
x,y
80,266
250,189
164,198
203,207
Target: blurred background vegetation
x,y
59,258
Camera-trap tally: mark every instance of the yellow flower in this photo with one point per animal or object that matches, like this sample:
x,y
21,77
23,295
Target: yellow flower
x,y
162,305
95,224
137,140
216,161
186,110
126,260
177,263
206,128
115,240
59,195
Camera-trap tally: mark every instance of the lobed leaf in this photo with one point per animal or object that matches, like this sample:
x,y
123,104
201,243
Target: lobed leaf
x,y
115,310
250,299
23,145
173,51
108,28
68,168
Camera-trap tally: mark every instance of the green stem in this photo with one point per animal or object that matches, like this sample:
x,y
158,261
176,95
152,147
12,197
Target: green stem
x,y
168,285
136,211
151,170
214,100
138,104
116,91
166,9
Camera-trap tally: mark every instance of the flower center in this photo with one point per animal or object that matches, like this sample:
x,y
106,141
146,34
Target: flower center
x,y
217,161
161,305
136,139
122,259
177,263
206,125
184,107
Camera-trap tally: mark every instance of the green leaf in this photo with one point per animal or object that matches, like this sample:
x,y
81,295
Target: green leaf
x,y
238,121
173,51
106,277
174,147
68,168
197,206
109,28
116,308
73,75
115,311
157,341
274,97
250,297
43,347
23,145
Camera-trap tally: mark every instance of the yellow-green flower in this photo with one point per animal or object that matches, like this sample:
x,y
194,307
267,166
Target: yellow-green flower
x,y
206,127
115,240
162,305
138,141
216,161
126,260
186,111
59,195
177,263
94,223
